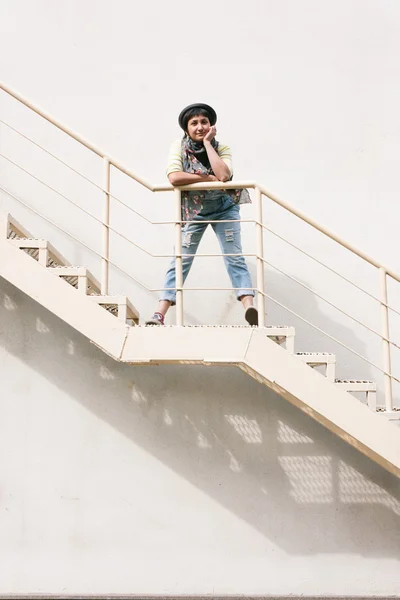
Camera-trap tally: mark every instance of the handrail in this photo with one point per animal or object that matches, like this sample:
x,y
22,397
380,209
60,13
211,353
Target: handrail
x,y
76,136
197,186
260,191
198,254
364,358
151,222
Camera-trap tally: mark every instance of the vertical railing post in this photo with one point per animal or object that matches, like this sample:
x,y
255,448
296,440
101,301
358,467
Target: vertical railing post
x,y
106,227
385,338
260,263
178,258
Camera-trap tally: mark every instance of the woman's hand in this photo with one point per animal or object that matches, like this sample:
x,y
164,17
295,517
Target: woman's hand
x,y
210,135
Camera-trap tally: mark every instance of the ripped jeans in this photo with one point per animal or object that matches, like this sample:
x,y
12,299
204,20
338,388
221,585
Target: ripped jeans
x,y
229,238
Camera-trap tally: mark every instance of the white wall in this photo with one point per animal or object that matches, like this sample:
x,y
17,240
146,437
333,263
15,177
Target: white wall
x,y
174,480
307,96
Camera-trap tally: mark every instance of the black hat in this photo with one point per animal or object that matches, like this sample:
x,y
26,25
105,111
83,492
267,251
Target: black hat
x,y
211,112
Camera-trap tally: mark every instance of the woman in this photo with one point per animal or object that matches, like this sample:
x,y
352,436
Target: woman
x,y
199,157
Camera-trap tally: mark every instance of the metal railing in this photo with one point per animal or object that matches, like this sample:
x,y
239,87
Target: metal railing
x,y
260,227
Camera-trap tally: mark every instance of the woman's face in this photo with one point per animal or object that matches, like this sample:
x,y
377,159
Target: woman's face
x,y
197,127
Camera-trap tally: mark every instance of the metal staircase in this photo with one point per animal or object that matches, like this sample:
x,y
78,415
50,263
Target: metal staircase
x,y
266,353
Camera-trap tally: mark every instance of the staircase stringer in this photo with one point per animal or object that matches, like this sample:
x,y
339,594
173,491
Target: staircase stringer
x,y
264,360
336,409
57,296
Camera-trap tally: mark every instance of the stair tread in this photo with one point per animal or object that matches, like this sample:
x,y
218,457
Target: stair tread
x,y
40,243
314,354
115,300
354,381
226,327
74,271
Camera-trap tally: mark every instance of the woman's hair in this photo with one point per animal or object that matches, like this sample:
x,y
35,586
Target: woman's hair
x,y
193,112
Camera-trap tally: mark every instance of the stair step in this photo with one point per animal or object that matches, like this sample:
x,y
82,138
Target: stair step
x,y
392,415
356,385
41,250
360,385
120,306
79,277
282,334
13,229
317,359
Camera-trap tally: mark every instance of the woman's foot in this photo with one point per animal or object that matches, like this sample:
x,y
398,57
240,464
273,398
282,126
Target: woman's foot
x,y
156,319
251,316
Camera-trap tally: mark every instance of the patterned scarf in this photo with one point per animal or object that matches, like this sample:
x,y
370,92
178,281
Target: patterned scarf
x,y
195,159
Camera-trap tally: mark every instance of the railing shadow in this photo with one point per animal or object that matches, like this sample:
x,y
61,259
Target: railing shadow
x,y
235,440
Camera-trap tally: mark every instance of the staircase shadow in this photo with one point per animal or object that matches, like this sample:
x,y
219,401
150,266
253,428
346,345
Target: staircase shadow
x,y
272,466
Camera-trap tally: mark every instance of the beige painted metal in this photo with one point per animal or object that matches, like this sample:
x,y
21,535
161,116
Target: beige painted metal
x,y
384,271
106,227
248,348
42,246
76,136
8,224
321,399
53,255
125,308
178,259
208,185
252,351
360,386
317,359
385,344
83,275
73,307
260,257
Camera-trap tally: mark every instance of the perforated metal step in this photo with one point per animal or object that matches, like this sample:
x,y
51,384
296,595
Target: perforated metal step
x,y
40,250
79,277
318,359
119,306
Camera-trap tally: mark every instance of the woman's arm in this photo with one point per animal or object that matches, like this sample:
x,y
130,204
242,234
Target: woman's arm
x,y
220,168
182,178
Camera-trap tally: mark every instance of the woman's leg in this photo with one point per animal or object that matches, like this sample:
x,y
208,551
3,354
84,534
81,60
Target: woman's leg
x,y
229,237
191,236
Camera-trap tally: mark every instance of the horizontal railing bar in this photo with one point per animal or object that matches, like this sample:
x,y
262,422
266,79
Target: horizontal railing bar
x,y
109,226
173,222
195,289
133,210
208,185
76,239
331,337
112,228
329,268
205,255
76,136
333,236
196,186
200,254
329,302
217,185
99,187
51,188
101,255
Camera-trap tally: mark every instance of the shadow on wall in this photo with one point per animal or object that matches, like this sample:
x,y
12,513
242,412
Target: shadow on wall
x,y
235,440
